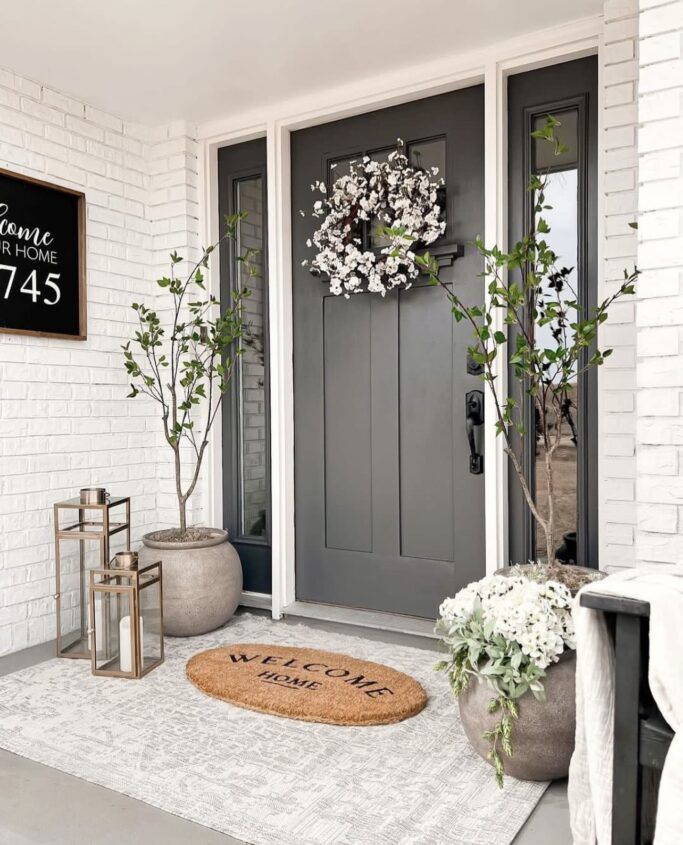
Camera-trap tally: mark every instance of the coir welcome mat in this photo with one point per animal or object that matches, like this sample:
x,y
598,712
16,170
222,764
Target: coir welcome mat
x,y
307,684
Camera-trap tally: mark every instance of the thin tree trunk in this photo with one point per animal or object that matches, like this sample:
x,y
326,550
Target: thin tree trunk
x,y
550,522
182,500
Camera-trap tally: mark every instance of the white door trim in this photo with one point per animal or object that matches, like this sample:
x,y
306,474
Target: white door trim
x,y
491,65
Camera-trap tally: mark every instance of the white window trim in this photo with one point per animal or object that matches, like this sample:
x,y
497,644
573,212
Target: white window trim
x,y
491,65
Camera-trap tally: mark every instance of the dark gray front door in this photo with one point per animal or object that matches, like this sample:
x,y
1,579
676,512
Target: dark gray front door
x,y
388,516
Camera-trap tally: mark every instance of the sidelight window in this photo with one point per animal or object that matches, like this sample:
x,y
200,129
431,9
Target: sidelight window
x,y
568,92
246,425
562,195
252,364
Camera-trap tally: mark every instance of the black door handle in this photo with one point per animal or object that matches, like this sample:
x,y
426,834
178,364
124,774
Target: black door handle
x,y
474,416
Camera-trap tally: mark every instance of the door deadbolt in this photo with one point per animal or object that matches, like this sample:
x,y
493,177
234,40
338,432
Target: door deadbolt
x,y
474,418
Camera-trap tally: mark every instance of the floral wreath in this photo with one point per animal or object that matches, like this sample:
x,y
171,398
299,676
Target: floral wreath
x,y
403,201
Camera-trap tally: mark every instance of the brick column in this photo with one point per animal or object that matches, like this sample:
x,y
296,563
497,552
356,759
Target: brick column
x,y
659,438
617,379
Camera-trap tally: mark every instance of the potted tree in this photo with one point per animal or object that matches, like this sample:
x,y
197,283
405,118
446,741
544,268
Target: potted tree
x,y
515,634
184,361
531,291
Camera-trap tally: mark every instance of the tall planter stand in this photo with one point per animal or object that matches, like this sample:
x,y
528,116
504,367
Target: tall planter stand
x,y
94,522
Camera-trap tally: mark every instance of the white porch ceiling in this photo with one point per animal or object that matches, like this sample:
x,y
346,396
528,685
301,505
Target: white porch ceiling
x,y
157,60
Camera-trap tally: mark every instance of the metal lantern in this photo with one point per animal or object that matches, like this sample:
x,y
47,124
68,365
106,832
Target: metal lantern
x,y
126,618
92,518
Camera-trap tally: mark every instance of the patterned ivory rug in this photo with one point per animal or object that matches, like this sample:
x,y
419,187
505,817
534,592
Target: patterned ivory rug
x,y
261,778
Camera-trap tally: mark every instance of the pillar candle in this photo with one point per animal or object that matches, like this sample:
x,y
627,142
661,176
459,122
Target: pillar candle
x,y
125,639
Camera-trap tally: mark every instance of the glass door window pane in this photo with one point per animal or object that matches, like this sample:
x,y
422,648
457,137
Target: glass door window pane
x,y
566,133
251,365
562,194
337,168
377,239
428,154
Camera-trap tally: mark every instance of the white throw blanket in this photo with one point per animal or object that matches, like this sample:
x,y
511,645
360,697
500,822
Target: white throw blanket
x,y
590,773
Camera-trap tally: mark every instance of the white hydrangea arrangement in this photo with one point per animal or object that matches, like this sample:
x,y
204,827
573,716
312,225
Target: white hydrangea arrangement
x,y
400,201
506,631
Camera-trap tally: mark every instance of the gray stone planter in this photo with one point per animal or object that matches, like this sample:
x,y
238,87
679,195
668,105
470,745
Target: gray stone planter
x,y
202,582
542,737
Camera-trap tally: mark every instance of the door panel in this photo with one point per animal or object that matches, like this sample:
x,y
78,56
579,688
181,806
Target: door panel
x,y
348,424
426,417
387,514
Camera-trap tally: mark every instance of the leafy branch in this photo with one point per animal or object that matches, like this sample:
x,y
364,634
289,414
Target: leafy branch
x,y
187,365
529,292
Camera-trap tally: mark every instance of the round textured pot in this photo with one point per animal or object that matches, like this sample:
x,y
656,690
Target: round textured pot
x,y
542,736
573,577
202,581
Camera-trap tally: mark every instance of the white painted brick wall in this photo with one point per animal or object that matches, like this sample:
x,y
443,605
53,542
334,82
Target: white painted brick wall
x,y
174,215
64,419
617,379
659,434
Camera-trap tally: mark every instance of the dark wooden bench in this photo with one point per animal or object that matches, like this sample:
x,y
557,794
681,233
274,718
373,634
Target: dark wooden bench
x,y
641,735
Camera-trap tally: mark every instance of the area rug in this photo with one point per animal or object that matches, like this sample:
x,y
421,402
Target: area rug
x,y
260,778
307,684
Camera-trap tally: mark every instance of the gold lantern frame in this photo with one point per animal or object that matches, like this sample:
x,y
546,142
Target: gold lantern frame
x,y
103,581
101,528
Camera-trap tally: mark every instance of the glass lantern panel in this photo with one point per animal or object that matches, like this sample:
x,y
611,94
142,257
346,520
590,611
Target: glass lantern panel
x,y
150,620
74,609
113,632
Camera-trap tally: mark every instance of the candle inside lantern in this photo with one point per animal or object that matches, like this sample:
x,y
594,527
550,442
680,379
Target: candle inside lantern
x,y
125,643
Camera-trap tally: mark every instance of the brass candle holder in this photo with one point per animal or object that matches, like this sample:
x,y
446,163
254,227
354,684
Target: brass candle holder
x,y
95,522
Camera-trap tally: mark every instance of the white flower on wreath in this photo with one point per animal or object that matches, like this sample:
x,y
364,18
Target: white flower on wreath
x,y
391,195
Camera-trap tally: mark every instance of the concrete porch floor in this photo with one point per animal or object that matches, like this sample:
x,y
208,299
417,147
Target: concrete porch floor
x,y
40,805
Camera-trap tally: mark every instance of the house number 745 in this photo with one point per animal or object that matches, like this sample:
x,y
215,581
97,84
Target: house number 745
x,y
30,286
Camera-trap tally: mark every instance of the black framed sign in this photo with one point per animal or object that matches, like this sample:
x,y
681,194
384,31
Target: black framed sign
x,y
42,258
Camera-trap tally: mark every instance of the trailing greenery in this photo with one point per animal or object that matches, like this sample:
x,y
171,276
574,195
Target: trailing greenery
x,y
186,364
507,669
